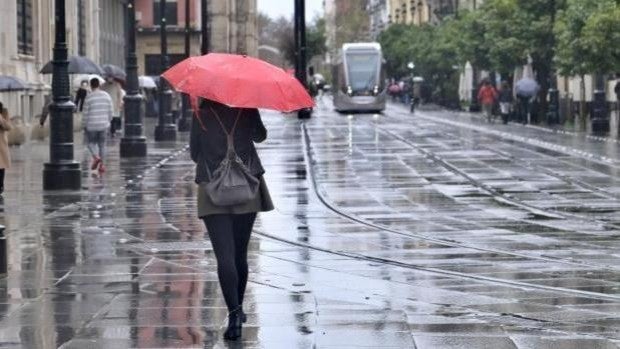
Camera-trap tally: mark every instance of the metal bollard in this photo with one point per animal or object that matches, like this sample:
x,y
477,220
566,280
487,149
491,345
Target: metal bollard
x,y
3,256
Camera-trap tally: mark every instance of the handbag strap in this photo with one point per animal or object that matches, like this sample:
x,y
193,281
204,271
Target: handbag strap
x,y
232,131
217,116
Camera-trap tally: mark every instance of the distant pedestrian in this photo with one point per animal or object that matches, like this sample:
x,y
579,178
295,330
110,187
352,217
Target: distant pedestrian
x,y
487,96
229,226
80,96
416,95
526,90
98,111
115,91
45,110
5,155
505,101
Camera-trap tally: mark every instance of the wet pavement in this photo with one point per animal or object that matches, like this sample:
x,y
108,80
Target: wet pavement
x,y
429,231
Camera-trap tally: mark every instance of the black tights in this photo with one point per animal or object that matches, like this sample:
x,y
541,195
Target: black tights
x,y
2,178
230,235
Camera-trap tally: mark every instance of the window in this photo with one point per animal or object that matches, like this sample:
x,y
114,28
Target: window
x,y
171,13
24,27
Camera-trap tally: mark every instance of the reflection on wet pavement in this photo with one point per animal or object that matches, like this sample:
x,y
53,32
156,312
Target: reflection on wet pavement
x,y
426,231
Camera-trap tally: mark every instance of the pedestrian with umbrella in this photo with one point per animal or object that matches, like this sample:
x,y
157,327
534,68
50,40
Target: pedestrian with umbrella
x,y
229,174
526,90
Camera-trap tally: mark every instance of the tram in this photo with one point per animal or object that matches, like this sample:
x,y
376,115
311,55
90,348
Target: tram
x,y
359,79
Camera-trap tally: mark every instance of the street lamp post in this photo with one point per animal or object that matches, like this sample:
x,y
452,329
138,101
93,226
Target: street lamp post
x,y
133,143
165,130
300,50
62,171
186,112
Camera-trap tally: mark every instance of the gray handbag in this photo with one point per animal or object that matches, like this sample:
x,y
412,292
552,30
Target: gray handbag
x,y
231,183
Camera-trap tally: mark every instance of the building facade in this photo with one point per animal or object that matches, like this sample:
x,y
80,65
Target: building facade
x,y
232,28
379,11
414,12
27,40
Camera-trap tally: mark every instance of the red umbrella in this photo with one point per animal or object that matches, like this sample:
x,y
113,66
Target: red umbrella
x,y
238,81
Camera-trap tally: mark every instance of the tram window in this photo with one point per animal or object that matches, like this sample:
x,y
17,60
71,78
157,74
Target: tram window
x,y
362,69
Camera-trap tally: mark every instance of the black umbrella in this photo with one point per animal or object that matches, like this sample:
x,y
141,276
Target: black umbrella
x,y
77,65
10,83
114,72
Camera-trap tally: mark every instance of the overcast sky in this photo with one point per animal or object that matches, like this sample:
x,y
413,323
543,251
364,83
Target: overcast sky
x,y
277,8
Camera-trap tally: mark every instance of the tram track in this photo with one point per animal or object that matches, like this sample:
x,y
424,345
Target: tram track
x,y
509,198
564,178
523,285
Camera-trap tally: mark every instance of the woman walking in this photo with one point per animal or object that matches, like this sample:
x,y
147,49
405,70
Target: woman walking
x,y
229,226
5,155
486,97
505,101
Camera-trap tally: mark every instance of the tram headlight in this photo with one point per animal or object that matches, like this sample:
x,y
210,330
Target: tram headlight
x,y
375,91
349,90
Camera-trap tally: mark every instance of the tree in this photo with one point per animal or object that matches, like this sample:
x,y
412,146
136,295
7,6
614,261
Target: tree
x,y
585,31
505,35
514,29
315,40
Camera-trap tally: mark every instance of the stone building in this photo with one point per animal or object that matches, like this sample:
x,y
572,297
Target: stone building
x,y
379,11
27,39
232,28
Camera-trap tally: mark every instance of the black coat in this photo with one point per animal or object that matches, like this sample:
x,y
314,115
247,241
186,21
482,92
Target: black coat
x,y
80,97
208,148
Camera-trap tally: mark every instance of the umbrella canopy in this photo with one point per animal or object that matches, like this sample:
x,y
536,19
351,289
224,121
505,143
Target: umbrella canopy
x,y
527,87
77,81
147,82
77,65
114,72
10,83
239,81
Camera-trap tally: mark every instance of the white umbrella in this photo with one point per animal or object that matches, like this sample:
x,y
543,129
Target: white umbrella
x,y
418,79
147,82
77,81
318,76
527,87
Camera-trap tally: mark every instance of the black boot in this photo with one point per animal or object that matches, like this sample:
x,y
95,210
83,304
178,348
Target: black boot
x,y
233,332
244,317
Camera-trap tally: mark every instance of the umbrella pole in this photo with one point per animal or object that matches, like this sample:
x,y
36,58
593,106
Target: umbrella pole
x,y
133,143
62,172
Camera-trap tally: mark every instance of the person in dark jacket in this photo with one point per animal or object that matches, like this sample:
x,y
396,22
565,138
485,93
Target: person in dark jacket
x,y
80,96
505,101
229,227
